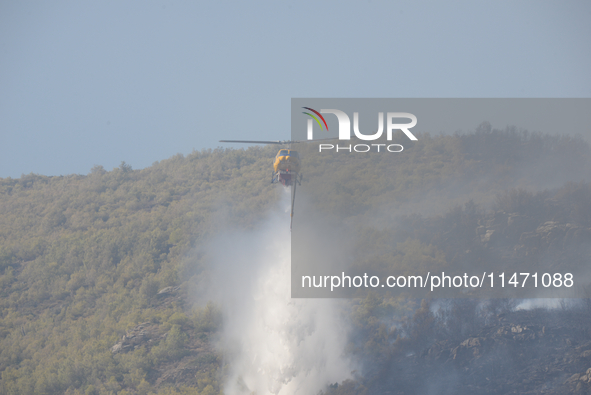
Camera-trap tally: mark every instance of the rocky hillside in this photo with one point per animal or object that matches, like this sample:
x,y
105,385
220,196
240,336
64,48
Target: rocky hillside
x,y
522,352
101,274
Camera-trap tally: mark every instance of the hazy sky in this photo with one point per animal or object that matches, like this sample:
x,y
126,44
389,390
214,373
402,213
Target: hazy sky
x,y
96,83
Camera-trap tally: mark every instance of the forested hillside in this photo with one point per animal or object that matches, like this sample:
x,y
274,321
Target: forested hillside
x,y
83,257
95,269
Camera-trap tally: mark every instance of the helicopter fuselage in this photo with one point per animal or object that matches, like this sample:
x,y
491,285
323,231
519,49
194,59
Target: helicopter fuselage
x,y
286,167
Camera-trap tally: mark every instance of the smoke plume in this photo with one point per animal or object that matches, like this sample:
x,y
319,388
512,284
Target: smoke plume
x,y
274,344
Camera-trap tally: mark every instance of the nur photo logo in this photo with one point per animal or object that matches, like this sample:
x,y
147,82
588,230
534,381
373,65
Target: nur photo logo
x,y
392,124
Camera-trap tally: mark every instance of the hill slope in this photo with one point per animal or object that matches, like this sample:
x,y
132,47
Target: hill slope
x,y
84,257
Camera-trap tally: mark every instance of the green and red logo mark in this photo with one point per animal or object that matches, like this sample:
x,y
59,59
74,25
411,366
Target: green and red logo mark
x,y
316,119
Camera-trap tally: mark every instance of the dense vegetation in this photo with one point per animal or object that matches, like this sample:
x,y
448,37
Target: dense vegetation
x,y
82,257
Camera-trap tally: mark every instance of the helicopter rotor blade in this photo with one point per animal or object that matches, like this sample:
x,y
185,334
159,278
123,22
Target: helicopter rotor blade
x,y
312,141
255,141
283,142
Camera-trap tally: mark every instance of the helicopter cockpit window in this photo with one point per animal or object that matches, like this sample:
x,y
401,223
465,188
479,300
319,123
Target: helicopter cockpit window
x,y
283,152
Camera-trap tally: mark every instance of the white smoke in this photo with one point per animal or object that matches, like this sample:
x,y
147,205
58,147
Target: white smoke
x,y
274,344
545,303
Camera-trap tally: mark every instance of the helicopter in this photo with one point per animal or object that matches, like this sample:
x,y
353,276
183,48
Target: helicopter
x,y
286,166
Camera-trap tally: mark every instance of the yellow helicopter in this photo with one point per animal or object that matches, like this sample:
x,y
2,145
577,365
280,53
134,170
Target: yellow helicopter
x,y
286,166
